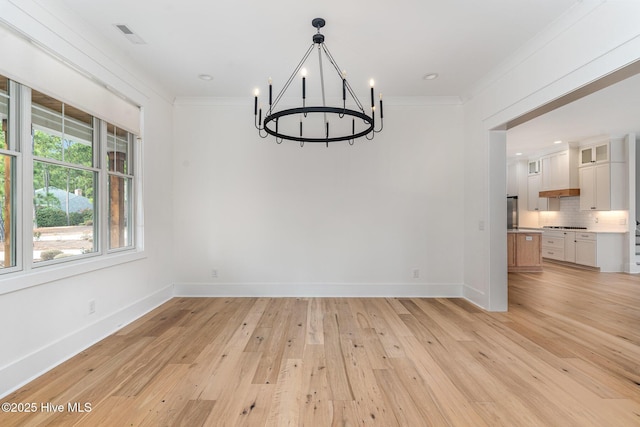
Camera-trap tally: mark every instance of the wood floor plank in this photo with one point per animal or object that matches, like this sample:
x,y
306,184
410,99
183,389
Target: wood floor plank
x,y
540,386
287,402
194,413
417,388
258,400
296,332
219,363
315,319
398,399
367,391
275,318
344,415
448,352
567,353
388,331
457,410
317,409
231,391
336,371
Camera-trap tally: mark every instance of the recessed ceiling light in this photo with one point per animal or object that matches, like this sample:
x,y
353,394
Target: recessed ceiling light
x,y
206,77
430,76
518,154
557,142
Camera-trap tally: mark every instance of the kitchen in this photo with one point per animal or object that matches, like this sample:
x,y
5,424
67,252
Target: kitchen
x,y
571,184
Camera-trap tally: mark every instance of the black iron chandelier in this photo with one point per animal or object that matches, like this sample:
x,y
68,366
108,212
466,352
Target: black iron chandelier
x,y
317,123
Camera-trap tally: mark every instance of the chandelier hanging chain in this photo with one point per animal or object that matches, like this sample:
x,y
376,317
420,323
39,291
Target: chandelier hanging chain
x,y
271,124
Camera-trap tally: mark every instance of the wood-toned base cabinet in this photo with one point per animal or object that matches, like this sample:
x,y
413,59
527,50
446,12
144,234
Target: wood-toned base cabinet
x,y
524,251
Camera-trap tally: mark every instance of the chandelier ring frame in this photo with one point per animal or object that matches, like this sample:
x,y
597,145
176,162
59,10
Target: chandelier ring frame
x,y
341,112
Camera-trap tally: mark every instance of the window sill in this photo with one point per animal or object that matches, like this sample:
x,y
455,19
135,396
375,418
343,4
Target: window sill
x,y
15,281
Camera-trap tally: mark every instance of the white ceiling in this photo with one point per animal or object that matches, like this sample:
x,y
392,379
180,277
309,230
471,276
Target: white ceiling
x,y
610,112
244,42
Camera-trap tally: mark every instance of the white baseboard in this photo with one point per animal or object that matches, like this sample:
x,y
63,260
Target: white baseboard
x,y
474,296
26,369
613,268
424,290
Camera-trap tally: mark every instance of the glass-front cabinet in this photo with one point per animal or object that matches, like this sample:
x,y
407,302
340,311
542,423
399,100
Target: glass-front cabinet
x,y
594,154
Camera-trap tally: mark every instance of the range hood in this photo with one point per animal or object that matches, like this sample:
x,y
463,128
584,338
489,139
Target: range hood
x,y
567,192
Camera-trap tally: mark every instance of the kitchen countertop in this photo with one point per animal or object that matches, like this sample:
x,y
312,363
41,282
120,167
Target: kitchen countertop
x,y
541,230
524,230
588,230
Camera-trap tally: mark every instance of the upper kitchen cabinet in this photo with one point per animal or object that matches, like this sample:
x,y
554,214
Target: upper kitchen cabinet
x,y
598,153
535,202
534,167
603,176
560,173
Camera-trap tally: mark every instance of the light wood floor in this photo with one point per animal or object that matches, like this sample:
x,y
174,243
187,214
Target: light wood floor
x,y
566,354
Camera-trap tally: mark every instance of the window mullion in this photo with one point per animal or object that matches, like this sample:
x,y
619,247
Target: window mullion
x,y
103,191
25,185
64,164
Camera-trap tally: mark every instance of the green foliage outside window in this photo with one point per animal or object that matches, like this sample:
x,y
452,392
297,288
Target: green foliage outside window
x,y
46,175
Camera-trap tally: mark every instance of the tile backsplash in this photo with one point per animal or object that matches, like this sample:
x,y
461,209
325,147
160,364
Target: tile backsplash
x,y
571,215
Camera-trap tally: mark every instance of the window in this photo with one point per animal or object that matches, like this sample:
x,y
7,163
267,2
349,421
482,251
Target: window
x,y
76,175
119,143
7,184
64,180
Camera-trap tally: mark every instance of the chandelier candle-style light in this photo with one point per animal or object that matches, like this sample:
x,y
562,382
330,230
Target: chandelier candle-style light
x,y
317,123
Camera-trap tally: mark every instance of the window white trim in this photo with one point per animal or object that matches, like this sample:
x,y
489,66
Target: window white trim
x,y
40,276
27,274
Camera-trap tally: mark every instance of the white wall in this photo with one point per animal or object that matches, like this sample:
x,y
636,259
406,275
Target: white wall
x,y
316,219
266,215
47,319
594,39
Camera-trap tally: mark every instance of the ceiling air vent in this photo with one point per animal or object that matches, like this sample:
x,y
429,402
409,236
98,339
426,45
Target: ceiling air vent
x,y
129,34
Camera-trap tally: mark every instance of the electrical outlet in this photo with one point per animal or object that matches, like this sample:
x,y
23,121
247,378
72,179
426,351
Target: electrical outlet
x,y
92,306
416,273
214,274
596,219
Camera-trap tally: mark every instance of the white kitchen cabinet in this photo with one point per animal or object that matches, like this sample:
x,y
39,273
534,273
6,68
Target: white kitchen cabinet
x,y
603,187
569,246
553,245
534,201
595,186
594,249
560,170
586,249
603,176
597,153
559,245
534,167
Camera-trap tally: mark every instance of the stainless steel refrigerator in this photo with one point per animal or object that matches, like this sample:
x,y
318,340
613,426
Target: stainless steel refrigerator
x,y
512,212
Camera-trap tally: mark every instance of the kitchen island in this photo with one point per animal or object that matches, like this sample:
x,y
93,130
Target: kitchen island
x,y
524,250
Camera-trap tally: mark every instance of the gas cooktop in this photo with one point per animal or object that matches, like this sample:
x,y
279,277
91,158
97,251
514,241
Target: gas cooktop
x,y
562,227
